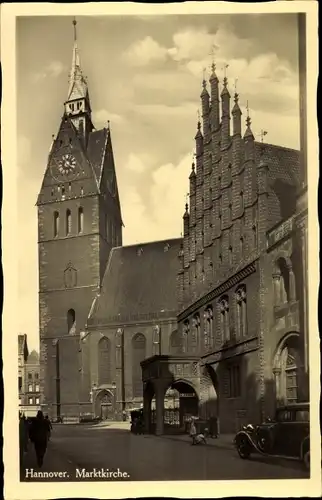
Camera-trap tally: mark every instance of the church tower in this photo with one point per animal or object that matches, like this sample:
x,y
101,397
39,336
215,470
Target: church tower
x,y
79,221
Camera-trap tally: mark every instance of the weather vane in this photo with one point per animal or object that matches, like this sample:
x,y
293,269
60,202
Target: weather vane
x,y
247,108
198,114
225,70
75,23
186,198
235,85
262,134
204,73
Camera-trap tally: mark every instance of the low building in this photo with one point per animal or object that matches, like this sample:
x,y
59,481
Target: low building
x,y
29,371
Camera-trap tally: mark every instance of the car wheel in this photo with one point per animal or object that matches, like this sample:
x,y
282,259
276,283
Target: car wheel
x,y
243,448
306,460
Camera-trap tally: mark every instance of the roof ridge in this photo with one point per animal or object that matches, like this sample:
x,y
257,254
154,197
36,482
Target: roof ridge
x,y
150,242
265,144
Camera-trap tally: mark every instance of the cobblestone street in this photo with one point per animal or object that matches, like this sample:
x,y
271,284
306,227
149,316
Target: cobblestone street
x,y
146,458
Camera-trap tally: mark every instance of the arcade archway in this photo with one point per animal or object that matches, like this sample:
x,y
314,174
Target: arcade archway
x,y
286,369
180,402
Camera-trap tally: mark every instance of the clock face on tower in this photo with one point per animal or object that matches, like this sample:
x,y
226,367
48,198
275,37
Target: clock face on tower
x,y
64,167
67,164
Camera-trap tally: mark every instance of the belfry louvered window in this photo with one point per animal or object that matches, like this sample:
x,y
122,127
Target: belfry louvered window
x,y
68,222
56,224
80,220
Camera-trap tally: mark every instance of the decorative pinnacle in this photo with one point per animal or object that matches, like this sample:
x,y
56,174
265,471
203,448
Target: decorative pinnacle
x,y
204,77
248,120
187,208
75,32
236,94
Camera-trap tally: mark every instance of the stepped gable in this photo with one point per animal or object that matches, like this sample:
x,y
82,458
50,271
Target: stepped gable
x,y
139,277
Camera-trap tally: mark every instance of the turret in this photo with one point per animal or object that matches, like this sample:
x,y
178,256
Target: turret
x,y
249,139
205,98
214,119
225,117
236,113
199,140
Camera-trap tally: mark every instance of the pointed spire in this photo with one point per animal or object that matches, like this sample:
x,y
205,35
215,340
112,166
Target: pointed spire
x,y
248,132
204,85
213,75
77,84
186,213
198,134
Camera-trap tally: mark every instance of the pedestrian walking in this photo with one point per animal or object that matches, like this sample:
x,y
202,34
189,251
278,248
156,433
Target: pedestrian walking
x,y
39,436
49,427
193,431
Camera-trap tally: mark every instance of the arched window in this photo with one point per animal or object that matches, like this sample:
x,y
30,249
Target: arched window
x,y
281,280
104,361
224,318
138,355
208,329
195,334
68,222
289,372
80,220
241,312
56,224
71,321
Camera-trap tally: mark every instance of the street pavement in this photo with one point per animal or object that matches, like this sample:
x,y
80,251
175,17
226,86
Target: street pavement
x,y
80,452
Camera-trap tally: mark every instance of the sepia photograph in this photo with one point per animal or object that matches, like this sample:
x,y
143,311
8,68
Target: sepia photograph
x,y
162,192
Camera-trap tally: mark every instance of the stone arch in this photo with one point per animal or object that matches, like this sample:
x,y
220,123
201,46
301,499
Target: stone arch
x,y
71,321
104,361
286,364
138,355
104,404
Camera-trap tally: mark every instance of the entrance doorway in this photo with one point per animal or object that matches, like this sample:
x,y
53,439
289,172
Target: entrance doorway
x,y
104,408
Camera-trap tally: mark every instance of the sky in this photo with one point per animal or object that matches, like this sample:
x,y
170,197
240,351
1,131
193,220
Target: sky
x,y
144,75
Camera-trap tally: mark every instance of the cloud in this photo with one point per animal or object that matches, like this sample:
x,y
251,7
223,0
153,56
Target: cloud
x,y
191,44
159,216
135,164
101,117
145,51
52,70
184,109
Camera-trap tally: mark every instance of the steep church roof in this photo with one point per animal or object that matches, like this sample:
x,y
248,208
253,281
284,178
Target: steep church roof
x,y
139,277
33,358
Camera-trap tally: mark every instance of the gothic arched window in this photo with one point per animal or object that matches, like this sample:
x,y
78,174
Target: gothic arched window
x,y
71,321
138,355
68,222
241,311
104,361
195,334
80,220
289,375
56,224
224,318
208,329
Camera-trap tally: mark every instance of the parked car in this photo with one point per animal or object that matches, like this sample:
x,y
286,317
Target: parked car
x,y
286,436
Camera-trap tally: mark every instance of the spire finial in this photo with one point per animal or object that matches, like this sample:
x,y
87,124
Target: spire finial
x,y
204,77
236,93
199,122
186,208
262,135
214,47
248,120
75,31
225,73
187,198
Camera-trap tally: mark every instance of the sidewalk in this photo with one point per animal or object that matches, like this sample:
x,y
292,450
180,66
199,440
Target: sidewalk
x,y
224,441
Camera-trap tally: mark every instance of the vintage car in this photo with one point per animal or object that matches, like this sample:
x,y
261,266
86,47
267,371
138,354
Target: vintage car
x,y
287,436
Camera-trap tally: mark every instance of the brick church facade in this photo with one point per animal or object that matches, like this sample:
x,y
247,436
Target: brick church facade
x,y
220,312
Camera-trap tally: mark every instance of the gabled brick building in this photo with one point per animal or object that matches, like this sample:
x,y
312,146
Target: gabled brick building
x,y
218,315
